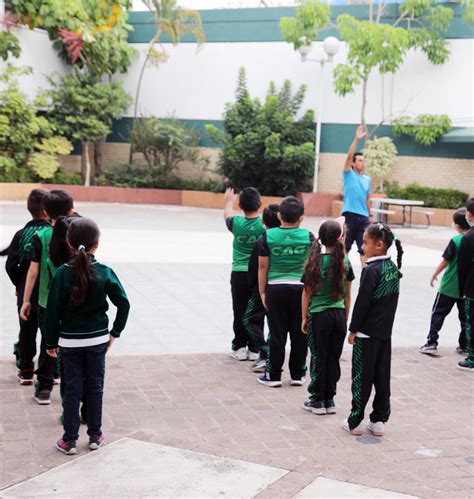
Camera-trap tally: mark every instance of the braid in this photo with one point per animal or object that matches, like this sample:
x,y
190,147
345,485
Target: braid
x,y
398,244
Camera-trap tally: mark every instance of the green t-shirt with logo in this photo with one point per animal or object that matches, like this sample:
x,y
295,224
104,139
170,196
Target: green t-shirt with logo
x,y
246,232
287,249
323,300
449,283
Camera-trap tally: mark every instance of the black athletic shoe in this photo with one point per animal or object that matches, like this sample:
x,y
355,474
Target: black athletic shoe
x,y
330,406
43,397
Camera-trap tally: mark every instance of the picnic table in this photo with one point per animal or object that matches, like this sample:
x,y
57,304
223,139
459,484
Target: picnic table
x,y
381,206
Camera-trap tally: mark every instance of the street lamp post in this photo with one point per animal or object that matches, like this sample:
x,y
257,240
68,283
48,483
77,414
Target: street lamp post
x,y
331,47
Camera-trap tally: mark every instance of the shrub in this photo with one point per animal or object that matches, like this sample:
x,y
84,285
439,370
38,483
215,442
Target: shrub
x,y
165,143
65,178
144,176
380,156
264,145
434,198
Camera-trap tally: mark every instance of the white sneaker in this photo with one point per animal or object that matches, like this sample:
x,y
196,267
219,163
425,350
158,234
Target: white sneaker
x,y
252,356
358,430
298,382
377,429
239,354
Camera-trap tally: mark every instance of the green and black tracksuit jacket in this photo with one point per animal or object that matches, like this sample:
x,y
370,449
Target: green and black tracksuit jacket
x,y
466,287
71,326
372,319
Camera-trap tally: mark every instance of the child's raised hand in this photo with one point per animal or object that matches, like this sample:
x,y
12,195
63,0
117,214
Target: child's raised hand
x,y
351,338
25,311
433,280
229,194
304,325
52,352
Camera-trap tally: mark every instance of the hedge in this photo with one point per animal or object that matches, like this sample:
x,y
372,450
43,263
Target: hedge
x,y
434,198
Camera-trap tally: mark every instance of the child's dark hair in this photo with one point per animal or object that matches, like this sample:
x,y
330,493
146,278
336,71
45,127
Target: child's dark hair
x,y
470,206
459,218
82,235
382,232
291,209
330,234
35,202
249,199
270,216
58,205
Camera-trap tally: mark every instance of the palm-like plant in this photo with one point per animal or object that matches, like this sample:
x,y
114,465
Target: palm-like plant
x,y
173,22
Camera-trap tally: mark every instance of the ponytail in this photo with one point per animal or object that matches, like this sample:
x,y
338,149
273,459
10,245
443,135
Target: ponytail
x,y
400,252
312,270
337,273
83,236
82,276
59,251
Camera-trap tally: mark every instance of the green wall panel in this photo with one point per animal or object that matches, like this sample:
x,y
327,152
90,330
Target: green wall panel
x,y
261,25
335,138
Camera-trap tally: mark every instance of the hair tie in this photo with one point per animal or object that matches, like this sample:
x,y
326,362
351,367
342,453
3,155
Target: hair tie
x,y
81,247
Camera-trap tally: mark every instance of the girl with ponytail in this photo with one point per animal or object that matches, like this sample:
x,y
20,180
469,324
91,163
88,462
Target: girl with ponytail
x,y
371,330
77,326
325,308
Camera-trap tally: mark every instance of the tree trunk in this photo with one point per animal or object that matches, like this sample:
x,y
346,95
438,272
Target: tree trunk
x,y
85,153
83,163
99,157
364,104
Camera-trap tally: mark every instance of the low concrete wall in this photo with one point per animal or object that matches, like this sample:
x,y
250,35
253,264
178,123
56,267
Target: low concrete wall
x,y
440,216
315,204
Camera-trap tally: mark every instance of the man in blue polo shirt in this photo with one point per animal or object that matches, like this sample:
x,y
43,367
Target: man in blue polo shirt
x,y
356,207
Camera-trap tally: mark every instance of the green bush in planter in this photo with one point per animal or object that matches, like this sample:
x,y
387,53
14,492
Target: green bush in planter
x,y
432,197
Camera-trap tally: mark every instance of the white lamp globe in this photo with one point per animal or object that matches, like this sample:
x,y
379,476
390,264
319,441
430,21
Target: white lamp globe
x,y
331,46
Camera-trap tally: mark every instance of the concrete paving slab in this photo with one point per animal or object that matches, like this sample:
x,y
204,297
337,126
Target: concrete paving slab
x,y
327,487
132,468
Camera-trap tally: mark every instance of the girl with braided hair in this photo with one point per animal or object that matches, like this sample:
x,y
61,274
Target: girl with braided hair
x,y
371,330
325,308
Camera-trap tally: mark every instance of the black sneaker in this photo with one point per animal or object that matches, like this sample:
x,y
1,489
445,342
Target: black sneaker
x,y
96,441
429,348
330,406
43,397
461,351
68,448
25,377
465,365
315,407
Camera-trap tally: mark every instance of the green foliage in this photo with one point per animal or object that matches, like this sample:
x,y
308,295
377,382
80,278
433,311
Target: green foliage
x,y
9,45
371,46
29,145
144,176
434,198
264,144
311,16
164,143
426,129
62,178
83,108
102,25
380,156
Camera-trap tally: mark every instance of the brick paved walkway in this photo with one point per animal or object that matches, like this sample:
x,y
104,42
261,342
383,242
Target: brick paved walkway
x,y
213,404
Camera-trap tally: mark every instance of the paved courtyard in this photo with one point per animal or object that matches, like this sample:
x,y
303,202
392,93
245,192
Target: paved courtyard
x,y
171,385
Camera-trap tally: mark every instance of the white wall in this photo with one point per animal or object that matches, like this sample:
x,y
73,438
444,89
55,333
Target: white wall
x,y
197,85
37,53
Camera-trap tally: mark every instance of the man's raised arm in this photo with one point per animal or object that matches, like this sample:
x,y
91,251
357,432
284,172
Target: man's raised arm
x,y
359,135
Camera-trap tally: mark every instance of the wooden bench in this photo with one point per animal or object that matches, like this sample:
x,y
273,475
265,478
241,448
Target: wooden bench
x,y
427,214
384,213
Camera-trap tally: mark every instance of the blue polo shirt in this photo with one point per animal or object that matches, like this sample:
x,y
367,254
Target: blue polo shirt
x,y
356,190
